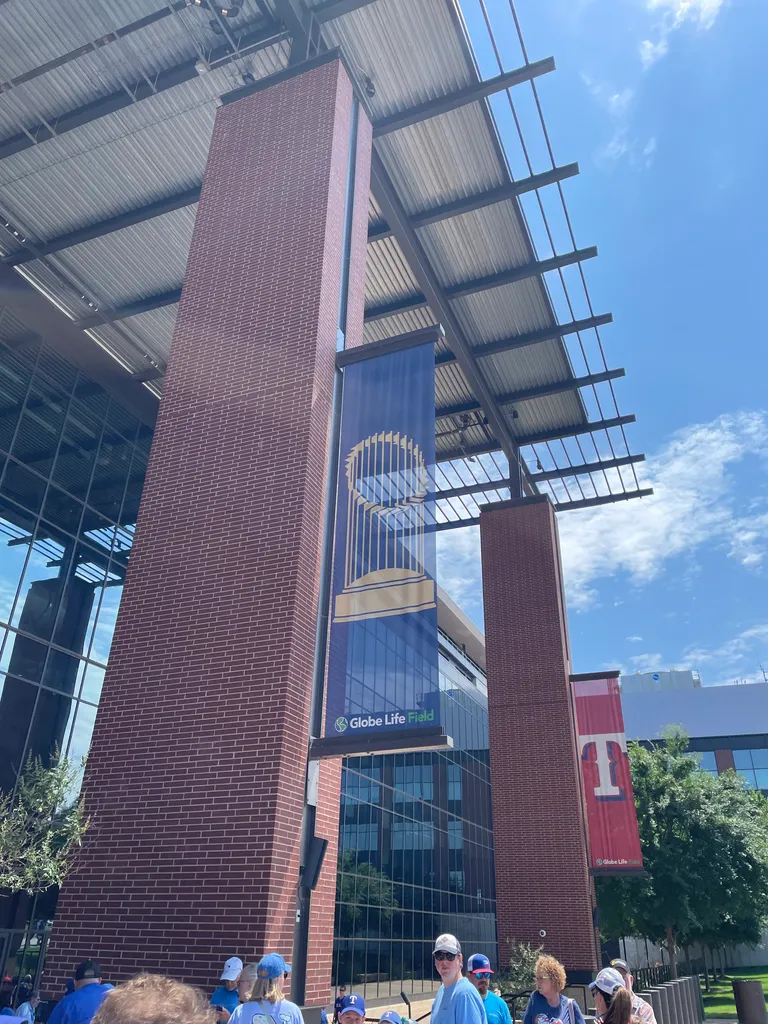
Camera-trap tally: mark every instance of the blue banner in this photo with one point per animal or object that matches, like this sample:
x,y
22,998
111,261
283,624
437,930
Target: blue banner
x,y
382,664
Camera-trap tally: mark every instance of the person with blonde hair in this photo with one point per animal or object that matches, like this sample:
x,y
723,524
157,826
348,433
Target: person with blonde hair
x,y
154,999
613,1000
265,1002
547,1004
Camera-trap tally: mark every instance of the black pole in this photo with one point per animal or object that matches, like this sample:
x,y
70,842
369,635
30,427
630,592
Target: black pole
x,y
304,895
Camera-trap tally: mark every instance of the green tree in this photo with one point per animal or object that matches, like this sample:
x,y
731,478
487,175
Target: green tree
x,y
705,851
361,889
519,975
40,827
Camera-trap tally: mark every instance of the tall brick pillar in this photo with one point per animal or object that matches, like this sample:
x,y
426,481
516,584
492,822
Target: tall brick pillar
x,y
195,780
542,880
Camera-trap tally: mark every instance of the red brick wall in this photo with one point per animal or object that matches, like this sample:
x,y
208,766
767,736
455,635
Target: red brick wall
x,y
542,880
724,761
195,782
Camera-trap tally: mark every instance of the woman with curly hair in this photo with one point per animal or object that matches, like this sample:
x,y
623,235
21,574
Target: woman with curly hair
x,y
547,1004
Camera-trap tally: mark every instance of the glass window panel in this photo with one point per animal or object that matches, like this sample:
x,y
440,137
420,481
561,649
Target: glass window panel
x,y
707,760
761,776
742,758
22,487
748,776
760,757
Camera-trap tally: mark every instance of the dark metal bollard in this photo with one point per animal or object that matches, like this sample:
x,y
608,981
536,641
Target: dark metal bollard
x,y
750,1001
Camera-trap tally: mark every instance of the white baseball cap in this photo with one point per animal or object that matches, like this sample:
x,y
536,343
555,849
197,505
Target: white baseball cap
x,y
232,969
447,943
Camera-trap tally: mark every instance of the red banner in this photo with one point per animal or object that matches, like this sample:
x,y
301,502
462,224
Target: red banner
x,y
614,840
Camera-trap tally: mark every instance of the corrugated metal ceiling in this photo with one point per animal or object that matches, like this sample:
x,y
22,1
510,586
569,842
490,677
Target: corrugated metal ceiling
x,y
158,146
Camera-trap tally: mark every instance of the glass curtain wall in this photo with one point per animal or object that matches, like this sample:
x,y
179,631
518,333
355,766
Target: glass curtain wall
x,y
416,848
72,467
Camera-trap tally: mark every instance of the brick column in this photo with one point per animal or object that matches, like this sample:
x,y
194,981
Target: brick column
x,y
195,781
542,881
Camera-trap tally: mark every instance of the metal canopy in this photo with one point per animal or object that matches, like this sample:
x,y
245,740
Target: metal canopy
x,y
105,123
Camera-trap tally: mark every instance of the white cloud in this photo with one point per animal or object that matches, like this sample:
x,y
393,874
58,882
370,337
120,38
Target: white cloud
x,y
634,639
674,13
647,662
703,12
616,148
694,504
737,658
651,52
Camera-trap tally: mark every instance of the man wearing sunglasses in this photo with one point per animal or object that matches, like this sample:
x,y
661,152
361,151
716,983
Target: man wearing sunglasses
x,y
479,973
457,1000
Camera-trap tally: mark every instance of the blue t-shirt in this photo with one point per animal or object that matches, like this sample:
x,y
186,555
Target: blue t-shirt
x,y
264,1012
80,1006
222,996
459,1004
496,1010
539,1011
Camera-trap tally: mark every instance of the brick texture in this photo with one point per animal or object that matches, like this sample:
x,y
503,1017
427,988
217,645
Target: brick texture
x,y
542,879
195,781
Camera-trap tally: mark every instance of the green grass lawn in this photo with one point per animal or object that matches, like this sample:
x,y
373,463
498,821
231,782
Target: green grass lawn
x,y
719,1001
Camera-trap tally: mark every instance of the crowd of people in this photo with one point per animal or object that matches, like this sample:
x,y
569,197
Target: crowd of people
x,y
255,994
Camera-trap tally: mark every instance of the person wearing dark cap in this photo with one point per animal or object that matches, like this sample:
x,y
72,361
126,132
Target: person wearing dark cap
x,y
479,973
266,1003
457,1000
81,1005
640,1008
337,1002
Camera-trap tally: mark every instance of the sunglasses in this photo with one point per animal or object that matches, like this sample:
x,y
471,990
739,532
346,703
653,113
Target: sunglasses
x,y
486,975
441,954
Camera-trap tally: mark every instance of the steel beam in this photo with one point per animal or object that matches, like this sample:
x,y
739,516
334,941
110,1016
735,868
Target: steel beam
x,y
99,228
257,38
393,308
546,435
58,331
552,333
480,200
130,309
391,207
538,478
526,394
481,284
460,98
331,9
586,467
559,506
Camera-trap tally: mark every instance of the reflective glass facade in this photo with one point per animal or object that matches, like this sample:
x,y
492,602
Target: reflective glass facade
x,y
72,466
416,848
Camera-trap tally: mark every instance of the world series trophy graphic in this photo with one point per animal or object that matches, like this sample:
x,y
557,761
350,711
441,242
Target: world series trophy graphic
x,y
384,556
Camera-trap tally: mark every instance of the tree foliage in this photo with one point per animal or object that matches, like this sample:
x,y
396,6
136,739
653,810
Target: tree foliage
x,y
361,889
705,850
519,975
40,827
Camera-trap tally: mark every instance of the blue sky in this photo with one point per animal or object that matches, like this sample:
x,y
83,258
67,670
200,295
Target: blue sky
x,y
662,103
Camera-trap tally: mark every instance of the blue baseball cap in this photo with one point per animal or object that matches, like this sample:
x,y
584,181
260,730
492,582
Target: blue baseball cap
x,y
272,966
353,1002
478,962
391,1016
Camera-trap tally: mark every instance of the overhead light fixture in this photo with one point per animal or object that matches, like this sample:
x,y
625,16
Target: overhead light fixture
x,y
370,88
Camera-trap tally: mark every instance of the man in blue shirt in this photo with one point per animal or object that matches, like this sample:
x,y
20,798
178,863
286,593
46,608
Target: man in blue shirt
x,y
81,1005
457,1000
337,1003
225,999
479,973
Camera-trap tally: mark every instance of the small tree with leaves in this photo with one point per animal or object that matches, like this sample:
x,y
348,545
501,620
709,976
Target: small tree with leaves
x,y
41,826
519,975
